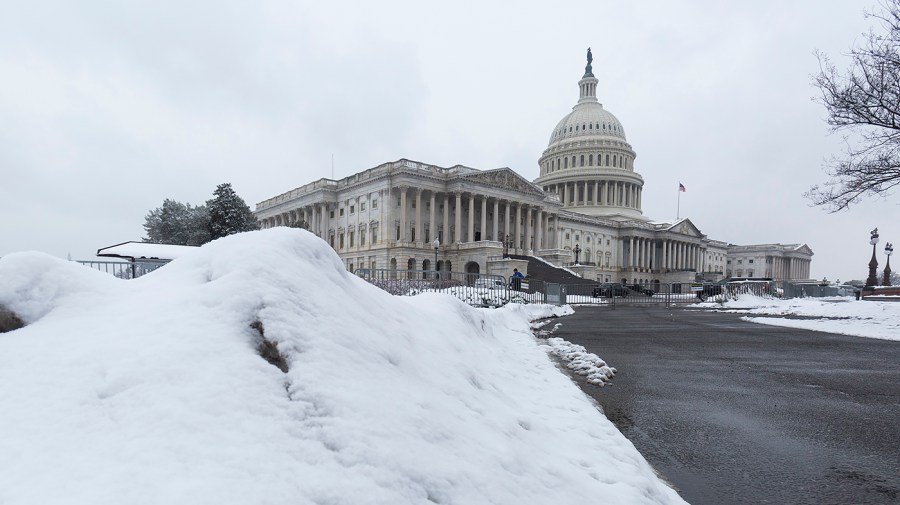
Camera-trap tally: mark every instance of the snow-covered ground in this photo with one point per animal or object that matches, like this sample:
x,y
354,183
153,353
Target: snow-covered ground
x,y
844,315
153,391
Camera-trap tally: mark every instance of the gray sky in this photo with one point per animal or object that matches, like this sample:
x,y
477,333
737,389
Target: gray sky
x,y
110,107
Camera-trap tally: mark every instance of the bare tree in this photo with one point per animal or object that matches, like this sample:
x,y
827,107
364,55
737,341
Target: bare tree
x,y
865,101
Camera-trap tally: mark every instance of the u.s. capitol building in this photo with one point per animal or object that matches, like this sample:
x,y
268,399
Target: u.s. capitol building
x,y
586,199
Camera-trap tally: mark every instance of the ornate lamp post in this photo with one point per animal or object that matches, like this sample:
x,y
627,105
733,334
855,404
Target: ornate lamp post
x,y
506,243
872,280
888,250
436,244
577,250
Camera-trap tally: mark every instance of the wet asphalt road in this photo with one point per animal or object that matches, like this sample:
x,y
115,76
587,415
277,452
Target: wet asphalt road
x,y
732,412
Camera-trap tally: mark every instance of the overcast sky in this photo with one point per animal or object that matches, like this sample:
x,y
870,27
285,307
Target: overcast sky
x,y
108,108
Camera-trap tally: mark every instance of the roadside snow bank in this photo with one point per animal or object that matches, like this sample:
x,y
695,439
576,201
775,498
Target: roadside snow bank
x,y
151,391
872,319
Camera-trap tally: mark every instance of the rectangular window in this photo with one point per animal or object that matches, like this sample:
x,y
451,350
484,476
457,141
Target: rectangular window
x,y
342,241
374,204
352,209
374,235
362,206
751,261
362,238
331,214
352,234
342,211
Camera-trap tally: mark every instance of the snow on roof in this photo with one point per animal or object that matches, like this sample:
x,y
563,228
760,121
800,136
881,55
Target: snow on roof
x,y
145,250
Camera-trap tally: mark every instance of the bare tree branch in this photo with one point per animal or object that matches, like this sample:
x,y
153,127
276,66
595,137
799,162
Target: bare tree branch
x,y
865,101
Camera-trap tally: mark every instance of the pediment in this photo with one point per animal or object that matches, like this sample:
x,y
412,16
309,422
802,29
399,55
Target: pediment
x,y
504,178
685,227
804,249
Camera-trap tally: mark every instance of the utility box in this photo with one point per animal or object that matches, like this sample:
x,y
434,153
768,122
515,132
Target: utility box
x,y
554,293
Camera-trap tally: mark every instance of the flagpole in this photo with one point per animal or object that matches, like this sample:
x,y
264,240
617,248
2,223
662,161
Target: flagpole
x,y
678,211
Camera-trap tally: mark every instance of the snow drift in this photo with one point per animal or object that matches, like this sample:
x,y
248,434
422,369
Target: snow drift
x,y
153,391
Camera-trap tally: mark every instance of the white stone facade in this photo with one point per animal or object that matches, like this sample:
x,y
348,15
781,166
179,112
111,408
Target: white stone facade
x,y
790,262
588,196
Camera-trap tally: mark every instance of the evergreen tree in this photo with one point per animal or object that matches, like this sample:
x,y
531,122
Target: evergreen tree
x,y
228,213
177,223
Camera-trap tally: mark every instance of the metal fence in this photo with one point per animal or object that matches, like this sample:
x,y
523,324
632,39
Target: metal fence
x,y
614,294
125,269
482,290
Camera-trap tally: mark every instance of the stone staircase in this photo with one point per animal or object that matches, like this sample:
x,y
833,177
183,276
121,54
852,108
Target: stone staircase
x,y
541,271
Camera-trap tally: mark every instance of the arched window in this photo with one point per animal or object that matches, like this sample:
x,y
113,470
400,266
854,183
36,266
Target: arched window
x,y
607,160
573,161
566,163
582,160
614,161
590,126
590,160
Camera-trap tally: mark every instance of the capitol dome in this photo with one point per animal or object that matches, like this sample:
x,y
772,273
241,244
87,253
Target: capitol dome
x,y
588,163
588,121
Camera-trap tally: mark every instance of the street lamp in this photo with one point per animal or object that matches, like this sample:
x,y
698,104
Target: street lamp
x,y
436,244
577,250
872,280
506,243
888,250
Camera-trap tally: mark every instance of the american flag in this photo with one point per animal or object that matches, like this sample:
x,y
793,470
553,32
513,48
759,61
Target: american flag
x,y
681,188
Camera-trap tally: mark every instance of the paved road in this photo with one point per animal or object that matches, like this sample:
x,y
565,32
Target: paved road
x,y
732,412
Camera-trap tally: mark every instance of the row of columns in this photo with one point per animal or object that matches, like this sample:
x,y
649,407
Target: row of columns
x,y
316,215
534,228
666,254
536,233
606,193
787,268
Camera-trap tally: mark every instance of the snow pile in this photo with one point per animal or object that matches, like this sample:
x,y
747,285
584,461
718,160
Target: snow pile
x,y
872,319
577,359
153,391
